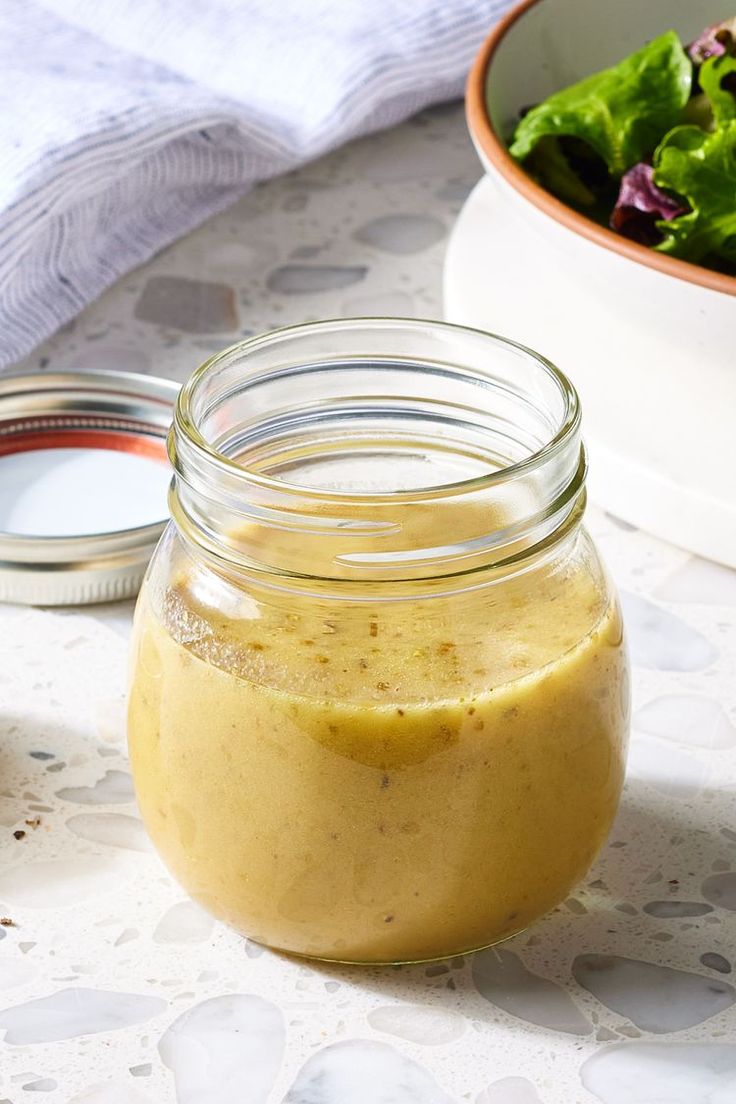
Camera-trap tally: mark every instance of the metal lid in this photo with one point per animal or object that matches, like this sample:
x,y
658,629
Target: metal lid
x,y
80,526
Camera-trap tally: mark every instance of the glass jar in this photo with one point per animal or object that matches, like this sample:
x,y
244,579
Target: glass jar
x,y
379,704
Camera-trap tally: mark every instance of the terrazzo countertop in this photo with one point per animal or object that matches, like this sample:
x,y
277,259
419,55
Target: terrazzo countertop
x,y
117,990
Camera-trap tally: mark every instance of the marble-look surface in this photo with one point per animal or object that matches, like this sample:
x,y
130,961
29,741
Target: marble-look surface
x,y
114,989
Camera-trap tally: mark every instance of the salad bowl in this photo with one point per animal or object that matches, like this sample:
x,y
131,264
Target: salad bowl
x,y
648,339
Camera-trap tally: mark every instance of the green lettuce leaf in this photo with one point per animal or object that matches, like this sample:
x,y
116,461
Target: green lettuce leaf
x,y
718,80
621,112
700,167
549,164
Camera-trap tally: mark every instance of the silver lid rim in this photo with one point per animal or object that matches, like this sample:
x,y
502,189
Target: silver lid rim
x,y
95,567
16,548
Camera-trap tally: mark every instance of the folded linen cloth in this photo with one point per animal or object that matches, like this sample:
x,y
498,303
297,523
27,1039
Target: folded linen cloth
x,y
125,123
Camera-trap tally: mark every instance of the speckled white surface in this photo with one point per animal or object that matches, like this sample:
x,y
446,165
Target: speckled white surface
x,y
116,990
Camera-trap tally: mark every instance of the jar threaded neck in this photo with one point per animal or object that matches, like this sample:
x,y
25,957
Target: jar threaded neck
x,y
376,450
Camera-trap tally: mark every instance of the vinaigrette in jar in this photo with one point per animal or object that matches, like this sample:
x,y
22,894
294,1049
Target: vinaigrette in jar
x,y
379,705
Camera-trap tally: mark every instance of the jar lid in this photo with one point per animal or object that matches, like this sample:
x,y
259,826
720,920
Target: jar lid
x,y
83,483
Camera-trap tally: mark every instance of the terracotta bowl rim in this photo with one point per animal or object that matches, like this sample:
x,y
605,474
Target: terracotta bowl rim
x,y
494,148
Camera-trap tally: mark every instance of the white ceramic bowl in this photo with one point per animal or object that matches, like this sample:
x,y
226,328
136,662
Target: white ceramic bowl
x,y
542,46
650,340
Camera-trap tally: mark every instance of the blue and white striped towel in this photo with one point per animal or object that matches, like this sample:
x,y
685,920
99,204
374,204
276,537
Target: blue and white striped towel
x,y
125,123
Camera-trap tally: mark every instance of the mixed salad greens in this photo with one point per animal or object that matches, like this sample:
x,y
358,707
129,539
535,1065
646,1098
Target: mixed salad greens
x,y
649,146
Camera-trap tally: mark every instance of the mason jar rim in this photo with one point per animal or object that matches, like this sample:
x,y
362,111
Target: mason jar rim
x,y
253,414
185,424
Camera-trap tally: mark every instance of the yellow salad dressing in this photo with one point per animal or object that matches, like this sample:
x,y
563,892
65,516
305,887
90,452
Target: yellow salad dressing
x,y
385,780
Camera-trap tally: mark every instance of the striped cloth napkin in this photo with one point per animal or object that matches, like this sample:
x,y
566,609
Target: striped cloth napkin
x,y
125,123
